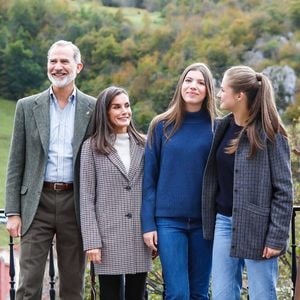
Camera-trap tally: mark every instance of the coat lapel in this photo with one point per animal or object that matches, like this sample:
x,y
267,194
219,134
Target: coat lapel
x,y
136,155
220,129
82,119
221,126
42,118
116,160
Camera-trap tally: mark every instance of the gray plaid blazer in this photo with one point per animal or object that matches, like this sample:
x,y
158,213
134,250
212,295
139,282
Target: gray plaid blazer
x,y
262,198
110,202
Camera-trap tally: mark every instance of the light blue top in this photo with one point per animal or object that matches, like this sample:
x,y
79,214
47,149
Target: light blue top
x,y
59,166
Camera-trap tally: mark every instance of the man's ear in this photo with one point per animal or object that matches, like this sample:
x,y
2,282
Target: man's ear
x,y
79,68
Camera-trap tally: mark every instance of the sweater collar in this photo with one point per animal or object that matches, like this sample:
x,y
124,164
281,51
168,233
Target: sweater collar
x,y
192,117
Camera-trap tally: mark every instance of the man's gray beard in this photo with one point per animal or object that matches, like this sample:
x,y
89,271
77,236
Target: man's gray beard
x,y
62,83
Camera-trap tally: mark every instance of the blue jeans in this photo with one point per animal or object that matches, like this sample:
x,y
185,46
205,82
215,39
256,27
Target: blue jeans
x,y
185,257
227,271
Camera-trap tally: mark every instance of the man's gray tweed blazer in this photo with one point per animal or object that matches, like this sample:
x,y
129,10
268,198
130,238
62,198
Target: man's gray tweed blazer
x,y
110,203
262,195
29,153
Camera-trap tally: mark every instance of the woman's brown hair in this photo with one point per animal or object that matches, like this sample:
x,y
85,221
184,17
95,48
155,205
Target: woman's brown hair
x,y
102,132
173,117
261,107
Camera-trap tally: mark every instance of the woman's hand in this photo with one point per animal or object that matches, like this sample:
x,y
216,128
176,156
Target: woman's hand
x,y
150,239
269,252
94,255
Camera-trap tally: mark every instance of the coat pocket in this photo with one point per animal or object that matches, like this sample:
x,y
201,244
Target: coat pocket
x,y
253,208
253,227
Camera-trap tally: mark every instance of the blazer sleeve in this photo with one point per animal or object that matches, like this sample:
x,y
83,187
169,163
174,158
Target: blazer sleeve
x,y
16,162
282,196
150,179
88,219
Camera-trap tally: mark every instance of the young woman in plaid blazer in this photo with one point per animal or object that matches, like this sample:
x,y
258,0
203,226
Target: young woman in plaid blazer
x,y
111,173
247,188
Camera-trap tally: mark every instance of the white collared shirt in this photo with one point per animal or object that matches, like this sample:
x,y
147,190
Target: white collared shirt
x,y
59,166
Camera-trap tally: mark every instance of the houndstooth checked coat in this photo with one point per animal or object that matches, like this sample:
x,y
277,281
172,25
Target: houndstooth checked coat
x,y
262,195
110,201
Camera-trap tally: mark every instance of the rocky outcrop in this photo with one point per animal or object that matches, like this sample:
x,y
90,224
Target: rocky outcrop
x,y
284,83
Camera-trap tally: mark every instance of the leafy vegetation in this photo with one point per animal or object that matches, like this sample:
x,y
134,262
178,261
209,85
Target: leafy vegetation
x,y
143,47
6,117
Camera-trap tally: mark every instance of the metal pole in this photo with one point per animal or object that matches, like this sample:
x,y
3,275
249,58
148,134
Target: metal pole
x,y
51,273
12,291
123,287
293,246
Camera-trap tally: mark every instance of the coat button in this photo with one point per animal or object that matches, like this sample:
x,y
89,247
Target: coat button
x,y
128,187
129,215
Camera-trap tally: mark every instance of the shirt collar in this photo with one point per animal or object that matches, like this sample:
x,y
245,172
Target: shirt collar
x,y
72,97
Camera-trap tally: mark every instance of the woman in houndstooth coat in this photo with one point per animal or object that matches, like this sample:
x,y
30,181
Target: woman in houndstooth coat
x,y
112,161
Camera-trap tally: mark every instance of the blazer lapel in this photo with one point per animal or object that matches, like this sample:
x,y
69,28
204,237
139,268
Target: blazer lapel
x,y
82,119
219,133
136,156
116,160
42,118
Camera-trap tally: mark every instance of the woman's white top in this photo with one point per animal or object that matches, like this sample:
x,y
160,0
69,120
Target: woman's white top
x,y
122,145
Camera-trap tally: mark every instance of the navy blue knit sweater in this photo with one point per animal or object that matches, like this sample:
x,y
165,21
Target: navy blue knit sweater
x,y
174,169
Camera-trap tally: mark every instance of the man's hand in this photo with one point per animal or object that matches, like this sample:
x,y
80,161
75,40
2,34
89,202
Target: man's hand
x,y
94,255
14,226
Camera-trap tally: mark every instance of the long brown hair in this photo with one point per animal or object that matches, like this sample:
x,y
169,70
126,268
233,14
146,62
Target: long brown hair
x,y
263,114
102,132
175,113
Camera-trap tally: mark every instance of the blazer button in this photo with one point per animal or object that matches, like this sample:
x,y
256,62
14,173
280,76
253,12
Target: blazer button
x,y
128,187
129,215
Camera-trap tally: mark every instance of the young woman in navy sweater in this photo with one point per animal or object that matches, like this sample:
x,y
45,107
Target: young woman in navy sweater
x,y
178,145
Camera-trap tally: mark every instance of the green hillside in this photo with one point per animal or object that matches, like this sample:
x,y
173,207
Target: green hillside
x,y
7,109
145,49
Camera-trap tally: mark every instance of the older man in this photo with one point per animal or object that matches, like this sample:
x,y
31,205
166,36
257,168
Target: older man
x,y
42,179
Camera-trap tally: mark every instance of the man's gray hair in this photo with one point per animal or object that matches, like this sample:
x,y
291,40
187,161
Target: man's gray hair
x,y
62,43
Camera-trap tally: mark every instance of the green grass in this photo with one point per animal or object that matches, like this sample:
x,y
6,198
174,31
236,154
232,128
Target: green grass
x,y
7,109
135,15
